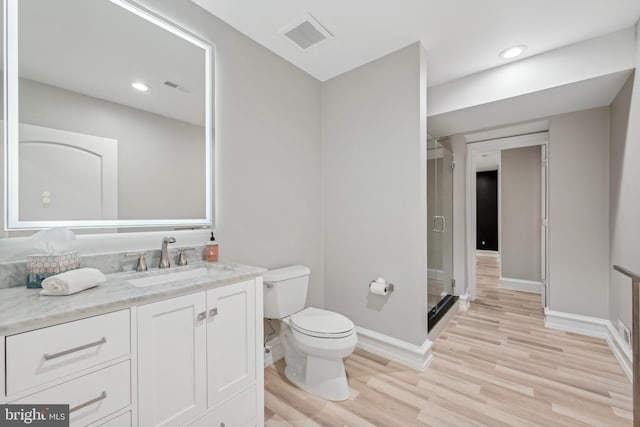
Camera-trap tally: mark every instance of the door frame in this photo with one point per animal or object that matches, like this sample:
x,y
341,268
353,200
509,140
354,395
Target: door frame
x,y
499,203
499,144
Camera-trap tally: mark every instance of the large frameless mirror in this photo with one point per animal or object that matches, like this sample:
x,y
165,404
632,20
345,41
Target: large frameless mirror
x,y
108,118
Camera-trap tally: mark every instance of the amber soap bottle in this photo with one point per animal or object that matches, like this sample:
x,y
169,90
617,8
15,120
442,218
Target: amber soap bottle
x,y
212,249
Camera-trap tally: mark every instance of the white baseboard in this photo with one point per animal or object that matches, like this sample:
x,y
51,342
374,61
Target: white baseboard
x,y
432,273
576,323
521,285
465,301
413,356
276,351
487,253
620,349
418,357
593,327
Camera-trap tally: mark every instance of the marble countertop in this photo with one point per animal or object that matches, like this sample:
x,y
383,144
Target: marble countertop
x,y
23,309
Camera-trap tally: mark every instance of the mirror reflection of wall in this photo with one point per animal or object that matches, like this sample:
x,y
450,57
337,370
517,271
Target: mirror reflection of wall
x,y
157,157
86,189
78,64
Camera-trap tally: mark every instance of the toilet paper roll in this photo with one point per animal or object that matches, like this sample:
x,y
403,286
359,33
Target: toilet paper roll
x,y
378,288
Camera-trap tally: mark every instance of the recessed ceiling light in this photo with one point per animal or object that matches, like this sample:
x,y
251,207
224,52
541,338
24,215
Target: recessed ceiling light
x,y
142,87
513,51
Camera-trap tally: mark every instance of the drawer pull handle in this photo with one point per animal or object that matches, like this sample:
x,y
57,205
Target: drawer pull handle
x,y
202,316
102,396
213,312
47,356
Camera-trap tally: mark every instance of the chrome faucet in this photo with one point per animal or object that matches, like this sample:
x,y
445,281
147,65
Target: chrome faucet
x,y
164,253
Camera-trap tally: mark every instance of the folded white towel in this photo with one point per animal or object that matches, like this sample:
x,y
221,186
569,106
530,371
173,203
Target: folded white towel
x,y
72,281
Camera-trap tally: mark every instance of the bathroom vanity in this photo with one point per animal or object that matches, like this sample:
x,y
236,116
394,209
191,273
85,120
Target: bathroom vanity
x,y
176,347
132,352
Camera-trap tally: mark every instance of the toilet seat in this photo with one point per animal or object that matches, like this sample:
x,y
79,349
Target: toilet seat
x,y
321,323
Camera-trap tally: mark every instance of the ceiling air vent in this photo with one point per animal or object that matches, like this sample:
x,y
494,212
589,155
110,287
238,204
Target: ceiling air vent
x,y
176,86
306,32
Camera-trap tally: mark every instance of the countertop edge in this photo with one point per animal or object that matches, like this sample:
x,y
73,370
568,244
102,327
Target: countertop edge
x,y
120,304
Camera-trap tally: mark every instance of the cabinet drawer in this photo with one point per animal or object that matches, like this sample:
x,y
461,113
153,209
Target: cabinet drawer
x,y
2,387
90,397
123,420
43,355
239,411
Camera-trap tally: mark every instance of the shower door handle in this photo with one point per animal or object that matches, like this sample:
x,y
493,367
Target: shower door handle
x,y
439,224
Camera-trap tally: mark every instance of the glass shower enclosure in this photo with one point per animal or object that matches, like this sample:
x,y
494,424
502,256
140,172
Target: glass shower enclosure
x,y
440,283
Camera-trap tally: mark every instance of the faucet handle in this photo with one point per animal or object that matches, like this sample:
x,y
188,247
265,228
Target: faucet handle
x,y
182,257
142,260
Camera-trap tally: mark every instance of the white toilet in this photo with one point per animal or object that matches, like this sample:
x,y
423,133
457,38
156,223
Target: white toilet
x,y
315,341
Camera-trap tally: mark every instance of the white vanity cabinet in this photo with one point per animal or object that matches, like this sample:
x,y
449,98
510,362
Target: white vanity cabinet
x,y
84,363
188,360
172,361
198,358
44,355
123,420
90,397
231,340
2,386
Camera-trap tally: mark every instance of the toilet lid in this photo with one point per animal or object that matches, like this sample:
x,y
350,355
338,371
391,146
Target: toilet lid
x,y
321,323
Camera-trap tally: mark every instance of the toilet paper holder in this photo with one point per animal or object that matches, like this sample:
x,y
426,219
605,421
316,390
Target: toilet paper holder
x,y
388,286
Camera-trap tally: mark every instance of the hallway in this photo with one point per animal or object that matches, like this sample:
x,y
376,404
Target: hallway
x,y
495,365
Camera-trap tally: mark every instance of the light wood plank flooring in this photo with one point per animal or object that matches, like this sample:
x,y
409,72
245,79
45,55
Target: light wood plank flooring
x,y
495,365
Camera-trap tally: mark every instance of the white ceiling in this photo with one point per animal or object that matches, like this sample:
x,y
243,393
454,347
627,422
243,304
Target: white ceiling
x,y
488,161
596,92
461,36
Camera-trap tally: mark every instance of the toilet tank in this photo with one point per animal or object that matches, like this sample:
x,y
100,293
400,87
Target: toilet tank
x,y
285,291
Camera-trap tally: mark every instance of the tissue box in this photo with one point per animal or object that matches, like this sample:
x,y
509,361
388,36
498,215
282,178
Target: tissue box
x,y
39,267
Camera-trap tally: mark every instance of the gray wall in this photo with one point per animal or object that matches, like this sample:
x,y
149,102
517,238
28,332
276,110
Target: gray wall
x,y
520,213
158,157
624,200
374,137
269,152
579,212
269,210
578,268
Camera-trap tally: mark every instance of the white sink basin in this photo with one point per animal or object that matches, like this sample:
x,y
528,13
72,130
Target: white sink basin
x,y
168,277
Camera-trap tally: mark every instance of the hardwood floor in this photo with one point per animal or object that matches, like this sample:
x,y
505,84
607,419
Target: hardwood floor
x,y
495,365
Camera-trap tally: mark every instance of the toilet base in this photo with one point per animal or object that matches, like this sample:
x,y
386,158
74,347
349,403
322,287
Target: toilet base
x,y
322,377
314,369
